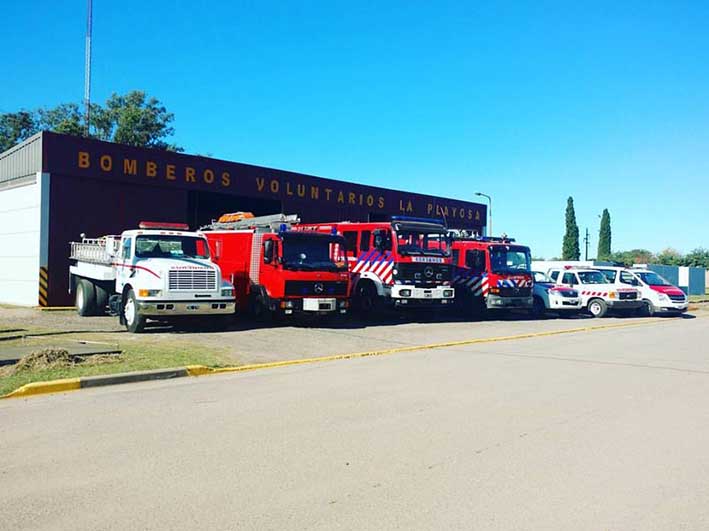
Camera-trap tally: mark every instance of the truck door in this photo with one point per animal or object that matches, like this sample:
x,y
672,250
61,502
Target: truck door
x,y
124,271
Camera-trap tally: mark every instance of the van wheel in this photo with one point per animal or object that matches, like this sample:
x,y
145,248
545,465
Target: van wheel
x,y
598,307
538,308
647,309
135,321
85,298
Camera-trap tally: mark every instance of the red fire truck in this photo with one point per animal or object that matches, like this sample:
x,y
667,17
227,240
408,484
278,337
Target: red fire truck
x,y
405,262
276,270
491,273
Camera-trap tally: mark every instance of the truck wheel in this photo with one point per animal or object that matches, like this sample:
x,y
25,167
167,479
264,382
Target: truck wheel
x,y
597,307
135,322
85,298
538,308
366,298
101,300
478,308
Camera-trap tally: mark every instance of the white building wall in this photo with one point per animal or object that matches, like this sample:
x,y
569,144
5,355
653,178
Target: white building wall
x,y
21,238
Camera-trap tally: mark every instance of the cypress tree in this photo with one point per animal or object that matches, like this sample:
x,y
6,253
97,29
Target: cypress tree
x,y
604,238
570,249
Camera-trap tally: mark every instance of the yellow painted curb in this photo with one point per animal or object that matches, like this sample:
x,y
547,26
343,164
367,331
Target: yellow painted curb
x,y
55,308
201,370
40,388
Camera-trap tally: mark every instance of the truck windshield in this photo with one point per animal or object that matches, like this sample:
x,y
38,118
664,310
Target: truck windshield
x,y
312,252
422,243
170,246
509,259
651,278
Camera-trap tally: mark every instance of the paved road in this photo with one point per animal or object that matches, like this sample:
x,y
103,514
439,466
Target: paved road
x,y
597,430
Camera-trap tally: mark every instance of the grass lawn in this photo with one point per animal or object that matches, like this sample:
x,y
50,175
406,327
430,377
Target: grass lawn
x,y
138,355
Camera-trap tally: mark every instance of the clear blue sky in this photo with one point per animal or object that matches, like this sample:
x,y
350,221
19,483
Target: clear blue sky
x,y
528,102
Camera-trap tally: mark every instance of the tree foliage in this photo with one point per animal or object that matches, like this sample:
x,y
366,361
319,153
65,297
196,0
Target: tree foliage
x,y
570,248
604,238
133,119
696,258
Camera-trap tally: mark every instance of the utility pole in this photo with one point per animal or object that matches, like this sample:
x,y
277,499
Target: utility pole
x,y
87,67
586,240
489,211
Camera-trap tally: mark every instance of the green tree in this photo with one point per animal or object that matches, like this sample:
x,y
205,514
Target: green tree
x,y
604,238
133,119
634,256
697,258
16,127
570,248
669,256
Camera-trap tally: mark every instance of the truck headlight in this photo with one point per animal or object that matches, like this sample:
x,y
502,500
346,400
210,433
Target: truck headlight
x,y
149,293
447,292
663,297
227,292
405,293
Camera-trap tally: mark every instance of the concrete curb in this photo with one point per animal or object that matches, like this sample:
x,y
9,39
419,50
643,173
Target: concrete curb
x,y
72,384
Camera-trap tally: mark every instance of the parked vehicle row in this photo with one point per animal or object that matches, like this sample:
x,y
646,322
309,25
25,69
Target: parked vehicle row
x,y
276,266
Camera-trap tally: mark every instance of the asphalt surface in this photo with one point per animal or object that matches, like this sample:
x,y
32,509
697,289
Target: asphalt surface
x,y
594,430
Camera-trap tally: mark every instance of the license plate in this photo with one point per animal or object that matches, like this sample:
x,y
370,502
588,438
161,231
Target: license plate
x,y
427,295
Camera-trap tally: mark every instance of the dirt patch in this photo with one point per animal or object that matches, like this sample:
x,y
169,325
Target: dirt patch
x,y
55,358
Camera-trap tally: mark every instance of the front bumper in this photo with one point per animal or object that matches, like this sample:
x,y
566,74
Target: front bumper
x,y
671,307
565,303
189,307
313,305
406,295
495,302
615,304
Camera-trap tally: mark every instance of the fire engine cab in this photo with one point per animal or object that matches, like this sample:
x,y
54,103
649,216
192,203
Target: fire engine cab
x,y
160,271
491,273
405,262
277,270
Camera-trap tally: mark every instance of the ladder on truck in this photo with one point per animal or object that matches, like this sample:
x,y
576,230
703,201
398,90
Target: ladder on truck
x,y
272,223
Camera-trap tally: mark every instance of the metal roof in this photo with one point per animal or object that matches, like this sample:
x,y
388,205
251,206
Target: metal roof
x,y
21,162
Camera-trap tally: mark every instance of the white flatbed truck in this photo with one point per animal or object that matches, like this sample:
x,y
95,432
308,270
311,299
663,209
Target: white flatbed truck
x,y
160,271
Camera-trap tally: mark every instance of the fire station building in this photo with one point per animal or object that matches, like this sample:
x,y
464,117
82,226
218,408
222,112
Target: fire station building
x,y
55,187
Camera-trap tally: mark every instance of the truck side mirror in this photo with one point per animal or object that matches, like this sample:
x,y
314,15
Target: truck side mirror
x,y
268,251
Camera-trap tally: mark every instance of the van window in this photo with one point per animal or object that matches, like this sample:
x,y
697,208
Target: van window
x,y
554,275
350,242
610,274
475,260
569,278
364,238
628,278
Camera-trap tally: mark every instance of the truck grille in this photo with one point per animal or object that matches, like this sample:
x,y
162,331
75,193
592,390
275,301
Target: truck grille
x,y
192,280
677,298
515,292
313,287
422,274
627,295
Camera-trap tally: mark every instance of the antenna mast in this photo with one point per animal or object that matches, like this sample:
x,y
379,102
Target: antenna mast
x,y
87,68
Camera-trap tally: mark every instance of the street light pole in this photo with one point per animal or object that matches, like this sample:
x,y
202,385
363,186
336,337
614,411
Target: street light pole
x,y
489,210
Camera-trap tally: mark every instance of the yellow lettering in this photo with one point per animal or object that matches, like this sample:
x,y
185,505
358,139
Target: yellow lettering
x,y
289,189
226,179
445,210
151,169
190,175
381,202
353,198
208,176
370,200
429,208
170,172
314,192
328,191
454,210
130,167
275,186
106,162
470,214
341,197
260,183
409,207
477,215
301,190
84,160
401,205
462,213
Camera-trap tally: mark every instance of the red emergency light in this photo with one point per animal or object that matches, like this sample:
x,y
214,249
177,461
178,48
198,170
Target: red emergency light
x,y
163,225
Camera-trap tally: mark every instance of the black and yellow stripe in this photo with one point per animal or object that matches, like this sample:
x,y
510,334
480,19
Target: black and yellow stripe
x,y
43,286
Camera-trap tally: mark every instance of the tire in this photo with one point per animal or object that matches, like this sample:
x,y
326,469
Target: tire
x,y
597,307
538,308
259,308
101,300
478,308
366,298
85,298
647,309
135,321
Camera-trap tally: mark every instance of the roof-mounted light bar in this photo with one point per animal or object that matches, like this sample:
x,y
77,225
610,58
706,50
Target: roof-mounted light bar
x,y
163,225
